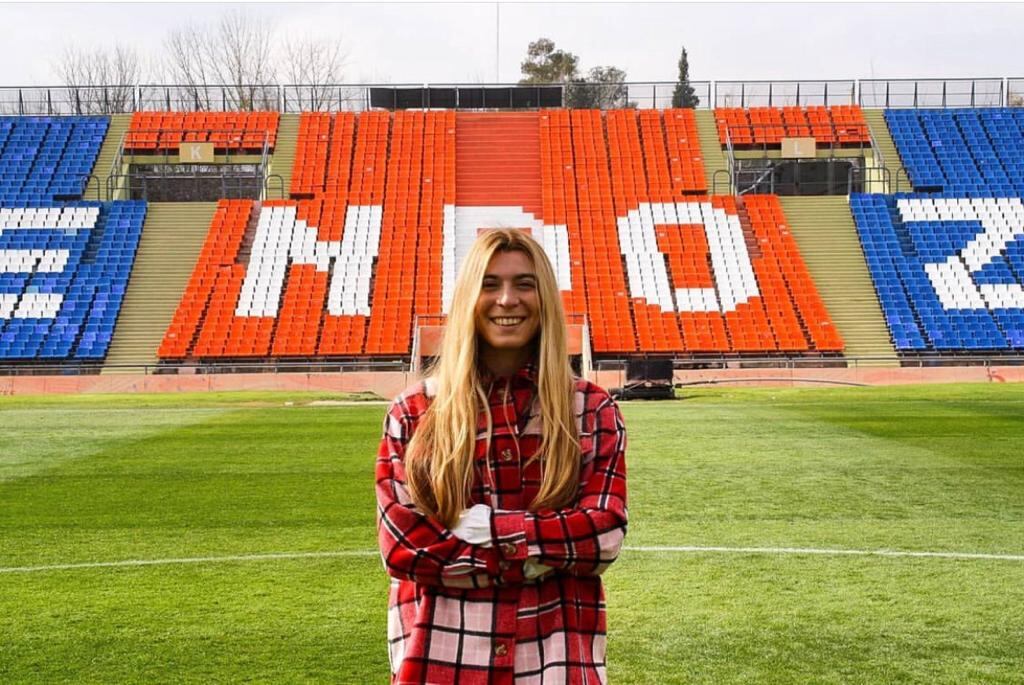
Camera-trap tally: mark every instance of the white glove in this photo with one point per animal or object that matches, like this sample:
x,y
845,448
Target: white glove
x,y
474,525
534,569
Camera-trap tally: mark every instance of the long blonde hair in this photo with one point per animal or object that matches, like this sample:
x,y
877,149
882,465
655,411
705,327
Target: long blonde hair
x,y
439,462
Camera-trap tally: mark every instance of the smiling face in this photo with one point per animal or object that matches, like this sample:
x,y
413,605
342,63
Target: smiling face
x,y
507,311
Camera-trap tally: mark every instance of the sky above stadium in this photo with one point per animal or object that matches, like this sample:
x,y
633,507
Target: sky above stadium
x,y
485,42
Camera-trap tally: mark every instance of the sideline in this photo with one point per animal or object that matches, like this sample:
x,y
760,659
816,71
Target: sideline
x,y
642,549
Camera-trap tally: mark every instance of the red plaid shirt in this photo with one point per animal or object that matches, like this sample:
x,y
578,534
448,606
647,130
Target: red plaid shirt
x,y
463,613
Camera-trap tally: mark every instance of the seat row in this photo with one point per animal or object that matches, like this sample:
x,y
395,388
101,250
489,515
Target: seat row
x,y
966,152
47,159
767,126
164,132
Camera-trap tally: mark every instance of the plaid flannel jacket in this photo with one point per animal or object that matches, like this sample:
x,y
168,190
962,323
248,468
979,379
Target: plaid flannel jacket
x,y
464,613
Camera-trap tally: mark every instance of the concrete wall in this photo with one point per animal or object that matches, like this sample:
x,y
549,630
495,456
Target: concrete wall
x,y
387,384
811,377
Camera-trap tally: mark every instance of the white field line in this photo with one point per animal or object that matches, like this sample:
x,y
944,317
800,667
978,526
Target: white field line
x,y
644,549
828,552
193,560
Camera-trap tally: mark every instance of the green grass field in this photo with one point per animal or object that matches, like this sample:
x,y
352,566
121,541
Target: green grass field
x,y
227,477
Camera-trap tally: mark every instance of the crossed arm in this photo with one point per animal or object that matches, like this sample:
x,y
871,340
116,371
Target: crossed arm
x,y
581,540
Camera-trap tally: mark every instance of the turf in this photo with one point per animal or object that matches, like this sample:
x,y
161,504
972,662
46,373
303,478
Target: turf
x,y
931,468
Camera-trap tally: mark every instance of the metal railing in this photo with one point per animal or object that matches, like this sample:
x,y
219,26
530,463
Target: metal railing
x,y
269,184
871,93
209,98
903,182
67,100
1015,92
784,93
922,93
730,155
727,184
869,179
297,98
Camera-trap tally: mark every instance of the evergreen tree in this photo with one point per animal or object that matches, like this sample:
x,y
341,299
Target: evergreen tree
x,y
684,95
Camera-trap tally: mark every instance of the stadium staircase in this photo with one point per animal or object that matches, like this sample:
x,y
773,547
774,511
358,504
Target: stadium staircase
x,y
712,152
498,160
824,230
283,159
97,188
886,146
172,237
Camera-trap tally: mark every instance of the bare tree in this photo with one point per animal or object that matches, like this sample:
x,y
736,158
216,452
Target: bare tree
x,y
101,81
226,66
318,66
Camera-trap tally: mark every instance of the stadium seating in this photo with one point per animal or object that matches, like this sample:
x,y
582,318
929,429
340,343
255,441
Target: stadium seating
x,y
47,159
948,271
946,260
962,152
164,132
767,126
64,263
63,273
345,266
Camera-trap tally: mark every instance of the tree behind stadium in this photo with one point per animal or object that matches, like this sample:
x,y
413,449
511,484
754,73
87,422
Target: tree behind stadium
x,y
684,95
600,88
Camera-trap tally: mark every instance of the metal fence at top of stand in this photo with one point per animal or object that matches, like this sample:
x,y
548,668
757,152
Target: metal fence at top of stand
x,y
210,98
869,93
1015,92
927,93
646,95
784,93
68,101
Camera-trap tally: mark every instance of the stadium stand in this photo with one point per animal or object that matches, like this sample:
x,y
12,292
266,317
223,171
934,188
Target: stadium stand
x,y
47,159
610,196
944,284
767,126
64,263
163,132
967,152
946,260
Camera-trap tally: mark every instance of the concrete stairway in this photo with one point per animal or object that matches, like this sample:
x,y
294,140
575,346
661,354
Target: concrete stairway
x,y
714,156
886,146
108,151
172,237
283,159
824,230
498,160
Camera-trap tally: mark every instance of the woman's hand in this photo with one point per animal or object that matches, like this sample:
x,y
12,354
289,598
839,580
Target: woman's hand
x,y
534,569
474,525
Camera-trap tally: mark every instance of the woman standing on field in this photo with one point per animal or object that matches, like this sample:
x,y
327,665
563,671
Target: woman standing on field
x,y
501,490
